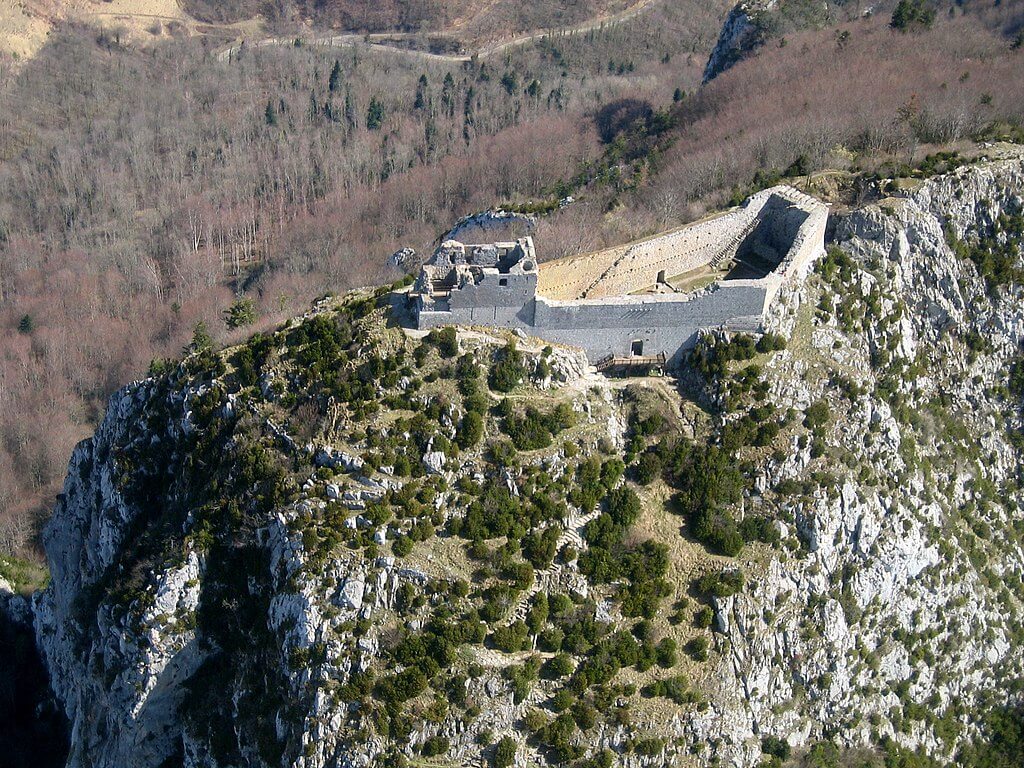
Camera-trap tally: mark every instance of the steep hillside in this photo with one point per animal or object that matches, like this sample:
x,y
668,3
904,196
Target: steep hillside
x,y
495,18
26,25
342,544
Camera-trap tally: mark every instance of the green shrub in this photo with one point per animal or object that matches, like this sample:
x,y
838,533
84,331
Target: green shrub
x,y
703,617
562,700
445,340
649,747
724,583
539,547
1002,738
817,415
402,546
759,528
401,687
675,689
665,653
698,648
771,342
250,358
508,370
558,666
822,754
471,430
996,253
505,753
648,468
434,746
776,747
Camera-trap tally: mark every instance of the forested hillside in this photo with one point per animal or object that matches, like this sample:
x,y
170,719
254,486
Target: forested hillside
x,y
145,190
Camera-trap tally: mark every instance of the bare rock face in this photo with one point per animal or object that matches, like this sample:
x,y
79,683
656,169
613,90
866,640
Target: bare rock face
x,y
119,676
888,606
739,36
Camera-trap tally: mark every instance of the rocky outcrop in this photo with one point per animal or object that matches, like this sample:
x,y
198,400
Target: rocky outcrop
x,y
483,223
740,35
117,669
888,620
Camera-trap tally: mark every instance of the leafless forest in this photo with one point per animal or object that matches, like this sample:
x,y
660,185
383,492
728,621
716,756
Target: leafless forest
x,y
142,191
474,17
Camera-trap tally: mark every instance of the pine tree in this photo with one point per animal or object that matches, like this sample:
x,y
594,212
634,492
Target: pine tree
x,y
201,339
421,93
335,79
510,82
913,14
242,312
448,94
350,110
270,114
374,114
26,324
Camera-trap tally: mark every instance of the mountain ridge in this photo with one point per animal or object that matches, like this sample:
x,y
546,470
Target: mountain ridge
x,y
846,612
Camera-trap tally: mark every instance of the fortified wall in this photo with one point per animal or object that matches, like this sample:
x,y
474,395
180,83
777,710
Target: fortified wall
x,y
646,298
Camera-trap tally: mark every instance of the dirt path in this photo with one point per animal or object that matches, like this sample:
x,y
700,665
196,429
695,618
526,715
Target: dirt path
x,y
385,41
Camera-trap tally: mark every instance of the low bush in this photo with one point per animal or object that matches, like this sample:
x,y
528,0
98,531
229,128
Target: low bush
x,y
508,370
445,340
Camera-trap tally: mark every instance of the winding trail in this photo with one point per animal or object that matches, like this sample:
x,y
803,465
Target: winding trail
x,y
385,40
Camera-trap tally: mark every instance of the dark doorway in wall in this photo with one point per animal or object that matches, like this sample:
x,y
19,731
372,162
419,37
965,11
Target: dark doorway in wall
x,y
503,281
636,348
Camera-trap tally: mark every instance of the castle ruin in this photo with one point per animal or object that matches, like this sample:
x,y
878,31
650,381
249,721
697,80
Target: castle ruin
x,y
643,299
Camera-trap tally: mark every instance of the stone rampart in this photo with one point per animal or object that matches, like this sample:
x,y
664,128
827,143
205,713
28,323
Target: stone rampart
x,y
628,269
674,254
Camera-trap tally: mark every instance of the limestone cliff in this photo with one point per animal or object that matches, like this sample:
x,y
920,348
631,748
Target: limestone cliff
x,y
739,36
752,23
339,545
900,619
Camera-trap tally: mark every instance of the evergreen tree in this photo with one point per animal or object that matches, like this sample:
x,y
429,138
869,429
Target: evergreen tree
x,y
241,313
335,79
270,114
350,110
26,324
510,82
448,94
421,93
911,14
201,339
375,114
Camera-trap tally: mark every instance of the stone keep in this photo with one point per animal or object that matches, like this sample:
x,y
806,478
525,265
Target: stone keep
x,y
621,301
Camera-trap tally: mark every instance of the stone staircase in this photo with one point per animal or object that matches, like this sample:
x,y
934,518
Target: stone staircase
x,y
572,535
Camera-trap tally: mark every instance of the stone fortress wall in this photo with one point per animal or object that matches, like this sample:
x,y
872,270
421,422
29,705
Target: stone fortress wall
x,y
634,267
597,301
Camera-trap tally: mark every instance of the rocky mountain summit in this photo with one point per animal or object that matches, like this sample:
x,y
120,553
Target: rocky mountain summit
x,y
344,544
